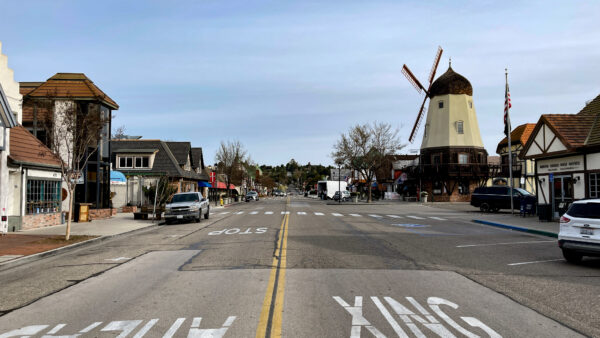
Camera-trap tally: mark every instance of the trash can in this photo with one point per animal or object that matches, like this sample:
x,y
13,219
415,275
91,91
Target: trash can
x,y
82,212
545,212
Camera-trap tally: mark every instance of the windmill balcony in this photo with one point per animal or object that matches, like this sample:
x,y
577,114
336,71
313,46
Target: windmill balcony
x,y
455,169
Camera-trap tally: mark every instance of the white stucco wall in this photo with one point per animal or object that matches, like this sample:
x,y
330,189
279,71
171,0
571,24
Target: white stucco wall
x,y
593,161
10,87
441,123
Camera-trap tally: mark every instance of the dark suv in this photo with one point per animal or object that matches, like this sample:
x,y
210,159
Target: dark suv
x,y
497,197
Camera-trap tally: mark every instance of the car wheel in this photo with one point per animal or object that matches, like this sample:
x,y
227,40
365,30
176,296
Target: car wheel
x,y
207,214
495,209
571,256
484,207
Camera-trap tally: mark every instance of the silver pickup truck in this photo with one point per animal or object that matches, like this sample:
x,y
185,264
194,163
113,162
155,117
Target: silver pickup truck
x,y
187,206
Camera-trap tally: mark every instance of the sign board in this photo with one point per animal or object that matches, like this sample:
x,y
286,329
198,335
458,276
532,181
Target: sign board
x,y
213,177
558,165
551,178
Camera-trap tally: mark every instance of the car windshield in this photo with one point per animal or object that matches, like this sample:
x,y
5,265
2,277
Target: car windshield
x,y
584,210
523,192
185,198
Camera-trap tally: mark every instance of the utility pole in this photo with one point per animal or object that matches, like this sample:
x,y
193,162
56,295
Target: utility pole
x,y
507,108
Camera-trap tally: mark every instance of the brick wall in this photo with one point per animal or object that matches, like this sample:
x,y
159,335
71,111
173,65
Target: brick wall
x,y
129,209
40,220
102,213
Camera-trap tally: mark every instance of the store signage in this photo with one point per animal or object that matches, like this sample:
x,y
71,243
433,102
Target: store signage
x,y
571,163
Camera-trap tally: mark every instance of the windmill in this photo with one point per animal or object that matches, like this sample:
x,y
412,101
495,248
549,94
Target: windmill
x,y
413,80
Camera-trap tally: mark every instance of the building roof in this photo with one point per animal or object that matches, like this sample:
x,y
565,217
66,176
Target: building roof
x,y
181,151
519,135
68,85
27,87
27,149
197,158
165,162
450,83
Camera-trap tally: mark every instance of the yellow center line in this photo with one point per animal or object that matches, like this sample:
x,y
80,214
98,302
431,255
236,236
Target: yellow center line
x,y
269,324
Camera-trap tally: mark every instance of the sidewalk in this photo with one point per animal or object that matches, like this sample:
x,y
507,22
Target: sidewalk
x,y
503,219
35,242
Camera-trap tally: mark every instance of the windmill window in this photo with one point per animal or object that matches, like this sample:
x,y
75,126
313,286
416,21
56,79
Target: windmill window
x,y
471,104
441,104
463,158
460,127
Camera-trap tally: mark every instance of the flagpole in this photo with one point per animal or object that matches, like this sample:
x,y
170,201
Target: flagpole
x,y
507,107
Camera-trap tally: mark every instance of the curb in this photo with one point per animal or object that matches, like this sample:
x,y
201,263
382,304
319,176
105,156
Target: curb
x,y
30,258
512,227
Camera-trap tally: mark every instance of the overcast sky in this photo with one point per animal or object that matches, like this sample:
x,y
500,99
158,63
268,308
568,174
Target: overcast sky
x,y
287,77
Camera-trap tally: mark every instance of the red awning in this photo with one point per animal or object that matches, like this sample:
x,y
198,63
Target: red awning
x,y
222,185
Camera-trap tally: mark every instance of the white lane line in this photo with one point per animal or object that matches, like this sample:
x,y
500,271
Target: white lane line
x,y
285,212
336,214
253,212
507,243
550,260
174,328
415,217
438,218
355,215
224,213
268,213
239,212
376,216
301,213
319,214
394,216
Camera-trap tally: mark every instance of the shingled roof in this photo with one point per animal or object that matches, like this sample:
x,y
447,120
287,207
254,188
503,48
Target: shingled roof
x,y
165,161
519,135
27,149
68,85
181,151
197,158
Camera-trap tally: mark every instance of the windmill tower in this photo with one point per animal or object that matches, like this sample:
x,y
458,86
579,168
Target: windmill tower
x,y
453,160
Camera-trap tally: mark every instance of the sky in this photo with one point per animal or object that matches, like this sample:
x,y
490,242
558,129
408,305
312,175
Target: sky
x,y
286,78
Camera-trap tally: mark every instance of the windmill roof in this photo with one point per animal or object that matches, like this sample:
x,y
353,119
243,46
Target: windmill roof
x,y
450,83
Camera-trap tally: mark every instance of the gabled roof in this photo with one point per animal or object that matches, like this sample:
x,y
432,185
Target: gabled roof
x,y
68,85
27,149
519,135
165,162
181,151
573,130
197,158
27,87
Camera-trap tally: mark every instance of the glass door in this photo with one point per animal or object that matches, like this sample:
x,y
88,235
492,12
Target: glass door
x,y
563,193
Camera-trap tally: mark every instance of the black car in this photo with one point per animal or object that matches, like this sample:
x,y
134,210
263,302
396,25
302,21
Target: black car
x,y
498,197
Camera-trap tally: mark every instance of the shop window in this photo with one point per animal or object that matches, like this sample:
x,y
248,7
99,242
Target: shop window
x,y
463,158
43,197
594,185
463,188
437,187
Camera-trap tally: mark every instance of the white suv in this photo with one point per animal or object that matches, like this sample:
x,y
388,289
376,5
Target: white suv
x,y
579,233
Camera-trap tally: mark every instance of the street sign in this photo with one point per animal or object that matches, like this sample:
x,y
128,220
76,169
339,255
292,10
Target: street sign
x,y
551,177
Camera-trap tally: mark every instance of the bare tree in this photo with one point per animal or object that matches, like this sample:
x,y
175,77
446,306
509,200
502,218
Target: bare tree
x,y
230,159
365,147
73,134
119,133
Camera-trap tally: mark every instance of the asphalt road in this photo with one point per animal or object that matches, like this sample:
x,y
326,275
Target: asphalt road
x,y
297,267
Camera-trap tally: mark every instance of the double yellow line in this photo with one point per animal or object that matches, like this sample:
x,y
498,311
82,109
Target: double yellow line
x,y
269,324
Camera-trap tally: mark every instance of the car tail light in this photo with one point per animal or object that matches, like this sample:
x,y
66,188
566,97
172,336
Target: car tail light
x,y
565,219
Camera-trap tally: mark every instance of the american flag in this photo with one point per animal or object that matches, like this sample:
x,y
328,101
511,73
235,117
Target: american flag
x,y
507,106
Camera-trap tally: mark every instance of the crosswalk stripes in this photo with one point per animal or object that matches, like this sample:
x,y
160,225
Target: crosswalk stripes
x,y
335,214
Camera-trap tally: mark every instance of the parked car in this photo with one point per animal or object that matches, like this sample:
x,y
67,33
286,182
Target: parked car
x,y
495,198
579,233
187,206
345,195
251,196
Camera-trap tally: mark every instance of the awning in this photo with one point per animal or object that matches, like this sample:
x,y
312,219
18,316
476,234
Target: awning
x,y
117,176
222,185
204,184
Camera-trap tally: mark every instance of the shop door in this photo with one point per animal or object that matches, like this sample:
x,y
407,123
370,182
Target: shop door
x,y
563,193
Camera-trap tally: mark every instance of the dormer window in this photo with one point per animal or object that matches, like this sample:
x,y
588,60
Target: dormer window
x,y
460,127
441,104
131,162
